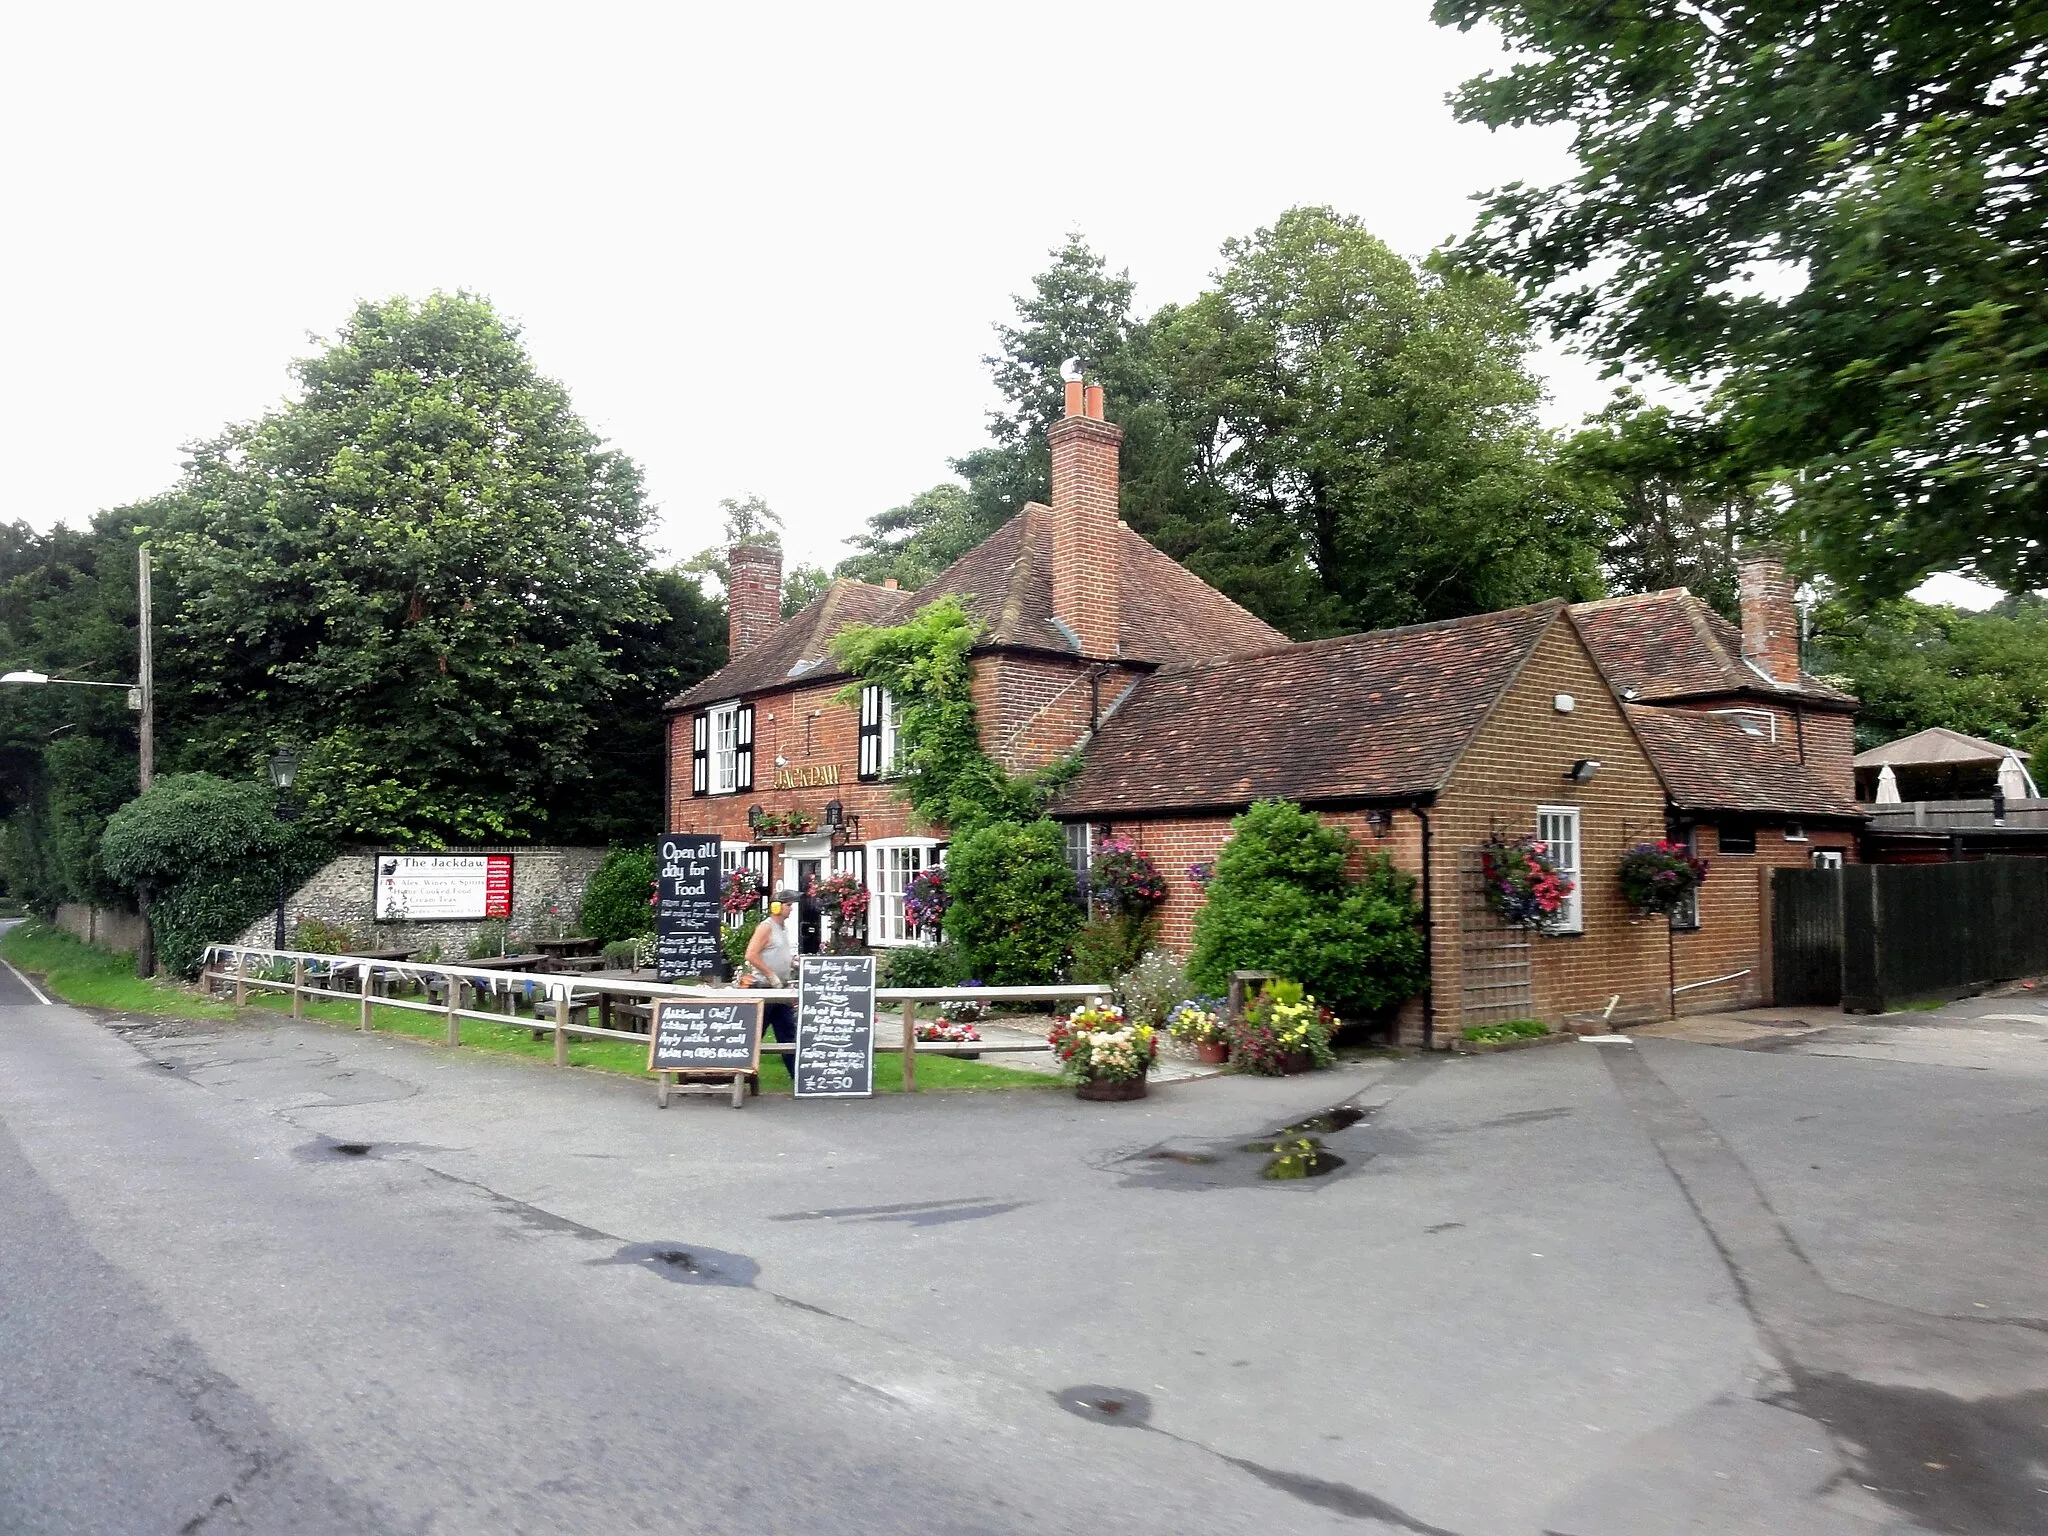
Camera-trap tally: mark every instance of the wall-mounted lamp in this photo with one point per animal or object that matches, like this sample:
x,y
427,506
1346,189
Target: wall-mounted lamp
x,y
753,816
1583,770
835,813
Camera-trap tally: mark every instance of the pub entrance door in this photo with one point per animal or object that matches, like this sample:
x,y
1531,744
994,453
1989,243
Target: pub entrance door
x,y
810,929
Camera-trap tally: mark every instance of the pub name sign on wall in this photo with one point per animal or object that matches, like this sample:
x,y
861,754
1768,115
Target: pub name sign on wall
x,y
811,776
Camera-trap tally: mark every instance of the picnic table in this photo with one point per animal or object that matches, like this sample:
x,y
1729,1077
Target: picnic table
x,y
635,1013
379,981
562,949
528,962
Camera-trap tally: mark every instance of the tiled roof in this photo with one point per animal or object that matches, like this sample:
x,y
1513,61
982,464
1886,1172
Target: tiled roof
x,y
1168,615
1710,763
1670,645
1382,715
798,648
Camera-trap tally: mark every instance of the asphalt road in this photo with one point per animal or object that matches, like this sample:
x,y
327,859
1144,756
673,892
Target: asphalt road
x,y
277,1278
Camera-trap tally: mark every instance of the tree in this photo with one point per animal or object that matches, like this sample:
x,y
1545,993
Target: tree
x,y
1677,503
912,543
802,587
1374,429
418,571
1834,208
1014,909
1283,901
747,520
1920,664
616,901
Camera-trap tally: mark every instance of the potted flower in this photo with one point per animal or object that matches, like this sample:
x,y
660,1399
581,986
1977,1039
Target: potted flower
x,y
1283,1031
1522,881
1104,1054
1198,1024
1658,877
947,1030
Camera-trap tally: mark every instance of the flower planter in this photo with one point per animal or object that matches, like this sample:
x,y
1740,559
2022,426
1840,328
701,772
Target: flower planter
x,y
1112,1090
1212,1053
1297,1062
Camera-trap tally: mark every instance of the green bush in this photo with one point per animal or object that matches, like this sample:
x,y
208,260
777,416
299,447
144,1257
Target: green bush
x,y
1282,902
1149,990
1106,947
924,965
212,852
734,942
1513,1029
1014,910
491,939
316,937
615,902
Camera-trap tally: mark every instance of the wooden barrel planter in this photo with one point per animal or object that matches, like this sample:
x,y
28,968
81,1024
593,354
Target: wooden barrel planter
x,y
1114,1090
1212,1053
1296,1062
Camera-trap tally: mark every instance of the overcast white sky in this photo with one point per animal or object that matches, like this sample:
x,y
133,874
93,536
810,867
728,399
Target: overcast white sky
x,y
763,245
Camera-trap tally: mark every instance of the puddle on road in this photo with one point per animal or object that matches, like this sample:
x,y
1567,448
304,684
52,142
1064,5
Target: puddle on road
x,y
687,1263
1107,1405
1294,1153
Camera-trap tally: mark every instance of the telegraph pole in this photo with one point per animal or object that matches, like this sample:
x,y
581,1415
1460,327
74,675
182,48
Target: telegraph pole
x,y
145,951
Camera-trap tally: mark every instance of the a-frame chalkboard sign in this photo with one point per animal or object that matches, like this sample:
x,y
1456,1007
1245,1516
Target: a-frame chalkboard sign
x,y
704,1038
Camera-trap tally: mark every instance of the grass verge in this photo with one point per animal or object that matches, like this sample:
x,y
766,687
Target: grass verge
x,y
76,972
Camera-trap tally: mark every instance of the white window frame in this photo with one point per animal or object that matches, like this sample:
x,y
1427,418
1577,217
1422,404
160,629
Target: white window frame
x,y
1795,832
1083,846
722,749
1571,918
888,723
1826,858
889,878
1685,917
1751,719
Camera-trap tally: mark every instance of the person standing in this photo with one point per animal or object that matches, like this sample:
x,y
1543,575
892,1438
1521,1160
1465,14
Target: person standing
x,y
771,962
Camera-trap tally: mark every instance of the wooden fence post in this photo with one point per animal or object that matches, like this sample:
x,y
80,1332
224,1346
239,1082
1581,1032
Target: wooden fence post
x,y
364,972
298,989
241,977
909,1046
561,1034
454,1023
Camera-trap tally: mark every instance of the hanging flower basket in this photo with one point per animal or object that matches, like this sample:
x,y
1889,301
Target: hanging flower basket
x,y
925,903
1522,881
742,892
1126,883
1657,878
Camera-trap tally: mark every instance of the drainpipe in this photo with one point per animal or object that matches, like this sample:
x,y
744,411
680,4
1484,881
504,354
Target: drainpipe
x,y
1428,938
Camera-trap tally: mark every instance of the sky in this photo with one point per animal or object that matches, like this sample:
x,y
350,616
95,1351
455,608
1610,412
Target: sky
x,y
762,245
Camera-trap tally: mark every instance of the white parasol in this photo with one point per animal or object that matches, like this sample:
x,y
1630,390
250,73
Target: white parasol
x,y
2014,780
1887,786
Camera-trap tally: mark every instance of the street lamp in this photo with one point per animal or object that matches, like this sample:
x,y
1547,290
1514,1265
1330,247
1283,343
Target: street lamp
x,y
284,767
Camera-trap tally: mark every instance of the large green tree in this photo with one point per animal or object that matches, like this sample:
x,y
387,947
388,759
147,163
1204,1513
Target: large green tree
x,y
418,571
1836,210
1919,664
1678,504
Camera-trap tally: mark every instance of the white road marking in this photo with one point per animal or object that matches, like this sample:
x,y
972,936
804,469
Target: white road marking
x,y
25,982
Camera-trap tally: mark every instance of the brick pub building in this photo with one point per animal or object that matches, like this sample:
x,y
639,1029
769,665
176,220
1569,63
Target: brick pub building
x,y
1596,726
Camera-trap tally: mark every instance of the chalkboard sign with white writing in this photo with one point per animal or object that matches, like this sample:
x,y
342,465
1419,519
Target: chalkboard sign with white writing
x,y
705,1036
686,909
835,1027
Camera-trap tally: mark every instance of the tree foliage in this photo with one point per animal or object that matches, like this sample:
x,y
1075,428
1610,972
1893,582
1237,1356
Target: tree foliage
x,y
1836,208
1920,664
1283,901
615,902
212,853
418,571
1332,435
1014,908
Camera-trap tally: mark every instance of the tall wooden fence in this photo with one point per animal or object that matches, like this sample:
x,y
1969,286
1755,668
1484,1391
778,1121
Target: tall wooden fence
x,y
1901,931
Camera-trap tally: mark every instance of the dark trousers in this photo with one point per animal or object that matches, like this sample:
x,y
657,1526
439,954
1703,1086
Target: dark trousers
x,y
779,1019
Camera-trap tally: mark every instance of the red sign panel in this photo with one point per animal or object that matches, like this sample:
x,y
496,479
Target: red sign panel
x,y
498,885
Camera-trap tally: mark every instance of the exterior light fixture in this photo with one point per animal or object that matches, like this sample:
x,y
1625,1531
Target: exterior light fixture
x,y
753,816
26,677
835,814
1583,770
284,767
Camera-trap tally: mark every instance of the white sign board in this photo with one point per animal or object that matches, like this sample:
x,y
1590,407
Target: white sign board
x,y
442,885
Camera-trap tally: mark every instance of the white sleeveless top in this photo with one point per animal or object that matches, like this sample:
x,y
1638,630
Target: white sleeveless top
x,y
777,953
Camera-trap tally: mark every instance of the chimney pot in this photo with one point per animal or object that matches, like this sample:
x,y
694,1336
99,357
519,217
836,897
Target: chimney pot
x,y
890,583
1074,397
1092,403
1770,615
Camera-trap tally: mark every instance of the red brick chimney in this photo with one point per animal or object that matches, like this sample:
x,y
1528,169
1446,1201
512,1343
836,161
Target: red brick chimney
x,y
753,597
1086,539
1770,618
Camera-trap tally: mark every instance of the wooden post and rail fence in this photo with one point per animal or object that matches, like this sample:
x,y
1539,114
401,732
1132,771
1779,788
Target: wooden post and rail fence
x,y
252,968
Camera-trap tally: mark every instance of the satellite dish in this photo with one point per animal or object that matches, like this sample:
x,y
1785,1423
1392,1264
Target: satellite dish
x,y
1070,370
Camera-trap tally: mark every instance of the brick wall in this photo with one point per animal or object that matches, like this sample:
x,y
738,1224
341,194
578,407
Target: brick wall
x,y
1034,710
1516,762
1827,737
753,597
1730,936
547,888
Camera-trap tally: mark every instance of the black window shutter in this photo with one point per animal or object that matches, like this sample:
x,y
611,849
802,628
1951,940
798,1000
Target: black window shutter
x,y
743,766
700,756
870,733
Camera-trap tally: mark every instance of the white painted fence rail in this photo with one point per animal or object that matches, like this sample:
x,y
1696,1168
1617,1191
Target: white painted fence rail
x,y
248,967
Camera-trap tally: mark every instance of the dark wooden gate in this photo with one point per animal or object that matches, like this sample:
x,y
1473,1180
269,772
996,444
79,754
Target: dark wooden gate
x,y
1932,930
1806,937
